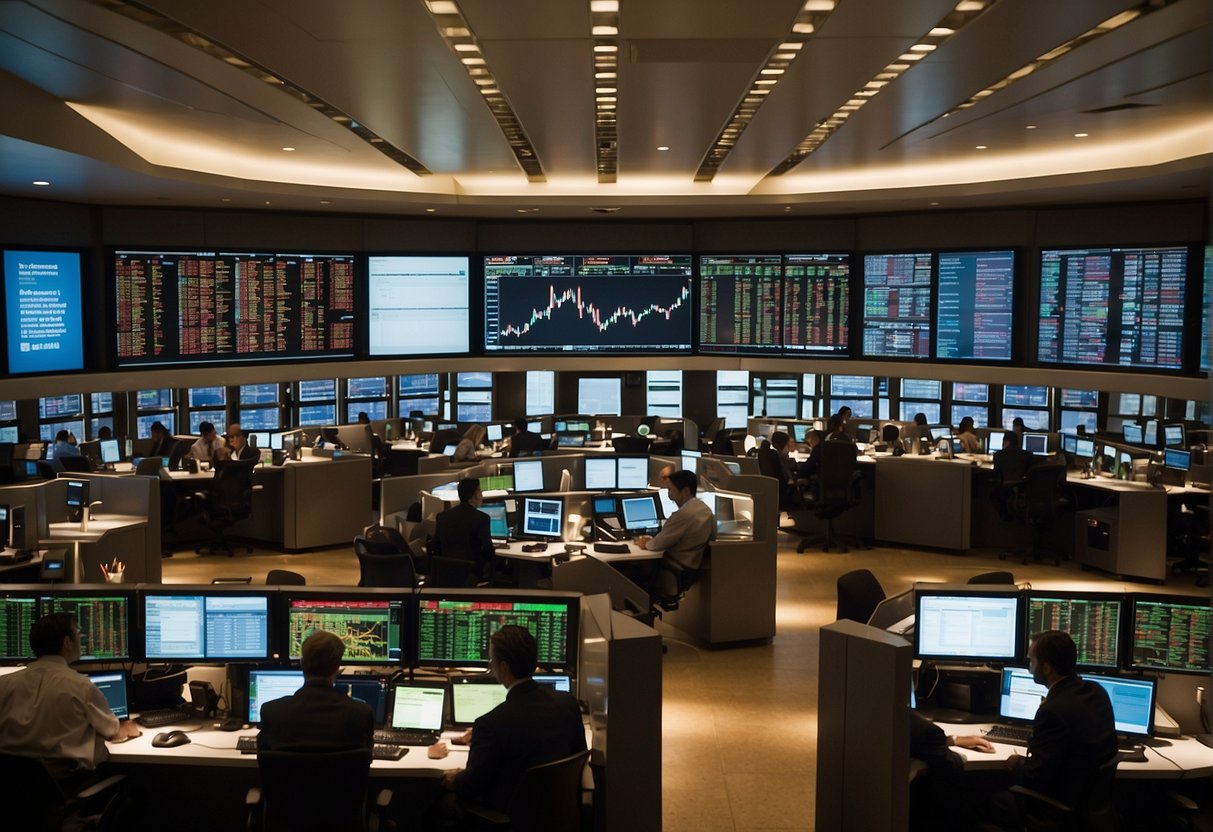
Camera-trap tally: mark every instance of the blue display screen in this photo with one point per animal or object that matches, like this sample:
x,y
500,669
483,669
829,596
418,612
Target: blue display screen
x,y
43,311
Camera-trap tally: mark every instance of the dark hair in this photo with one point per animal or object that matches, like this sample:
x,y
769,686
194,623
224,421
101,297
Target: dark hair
x,y
1018,422
363,418
206,427
920,418
62,436
321,654
47,635
968,420
1010,439
468,486
158,426
845,409
520,423
1057,650
685,479
516,647
104,432
834,425
814,434
779,440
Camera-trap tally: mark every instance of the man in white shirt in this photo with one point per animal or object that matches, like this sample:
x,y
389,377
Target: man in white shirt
x,y
55,714
204,448
684,535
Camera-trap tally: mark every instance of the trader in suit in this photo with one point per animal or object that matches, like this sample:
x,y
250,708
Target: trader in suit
x,y
317,717
462,531
534,725
523,442
238,447
939,801
162,443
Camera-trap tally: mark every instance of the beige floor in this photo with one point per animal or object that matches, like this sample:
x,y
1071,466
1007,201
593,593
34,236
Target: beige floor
x,y
739,744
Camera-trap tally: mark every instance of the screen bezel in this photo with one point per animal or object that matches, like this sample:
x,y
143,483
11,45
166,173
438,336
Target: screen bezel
x,y
952,591
363,278
272,651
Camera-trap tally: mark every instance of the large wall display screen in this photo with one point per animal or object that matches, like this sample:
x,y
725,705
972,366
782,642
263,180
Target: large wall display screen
x,y
897,305
1113,306
566,303
200,307
417,305
817,296
976,291
43,311
740,301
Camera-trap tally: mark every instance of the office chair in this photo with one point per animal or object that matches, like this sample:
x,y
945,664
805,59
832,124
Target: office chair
x,y
383,564
228,500
709,433
670,444
284,577
76,464
451,573
630,445
149,466
442,438
247,579
1037,504
834,491
988,578
288,798
770,465
1042,813
33,800
46,471
859,593
673,582
548,799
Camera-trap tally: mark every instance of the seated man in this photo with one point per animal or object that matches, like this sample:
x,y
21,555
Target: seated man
x,y
939,801
317,717
210,441
63,447
534,725
684,536
1010,468
462,531
55,714
238,447
523,442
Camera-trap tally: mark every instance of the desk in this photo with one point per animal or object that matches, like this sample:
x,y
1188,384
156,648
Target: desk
x,y
513,551
108,538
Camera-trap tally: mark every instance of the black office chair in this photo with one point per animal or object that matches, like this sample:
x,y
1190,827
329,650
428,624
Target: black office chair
x,y
859,593
770,465
451,573
631,445
383,564
987,578
228,500
834,490
709,433
1042,813
33,800
670,444
673,582
246,579
46,471
284,577
149,466
442,438
548,799
289,800
76,464
1038,502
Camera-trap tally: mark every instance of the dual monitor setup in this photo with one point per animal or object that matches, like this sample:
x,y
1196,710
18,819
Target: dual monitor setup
x,y
212,625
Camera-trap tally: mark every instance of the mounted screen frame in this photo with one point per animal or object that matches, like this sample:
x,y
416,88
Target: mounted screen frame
x,y
43,300
411,294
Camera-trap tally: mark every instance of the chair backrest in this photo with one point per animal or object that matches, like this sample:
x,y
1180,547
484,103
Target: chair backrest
x,y
442,438
1041,491
837,462
149,466
32,798
549,797
380,564
451,573
890,433
769,465
292,801
859,593
386,534
284,577
45,470
630,444
76,464
232,487
993,578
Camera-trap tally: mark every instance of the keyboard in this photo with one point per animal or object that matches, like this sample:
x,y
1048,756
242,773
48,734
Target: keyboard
x,y
247,744
1010,734
393,736
612,548
164,716
384,751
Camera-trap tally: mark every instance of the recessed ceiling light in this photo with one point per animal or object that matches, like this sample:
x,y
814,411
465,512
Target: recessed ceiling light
x,y
430,210
981,147
267,202
41,182
288,149
226,199
933,204
787,207
1081,135
326,202
663,147
604,31
606,6
1030,127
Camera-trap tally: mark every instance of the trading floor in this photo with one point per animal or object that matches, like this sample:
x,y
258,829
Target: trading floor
x,y
740,724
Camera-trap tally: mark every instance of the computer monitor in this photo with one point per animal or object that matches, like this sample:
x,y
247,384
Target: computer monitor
x,y
994,441
1069,443
188,624
528,475
418,706
633,473
1150,434
1036,443
561,682
111,451
499,524
474,696
1177,460
640,513
800,431
690,461
103,617
1019,695
1171,633
864,432
939,431
1133,433
76,495
373,690
542,518
112,684
449,450
494,433
259,438
497,482
19,611
1084,448
454,626
10,433
1132,702
369,623
1095,621
601,473
268,685
1173,436
534,427
963,624
570,440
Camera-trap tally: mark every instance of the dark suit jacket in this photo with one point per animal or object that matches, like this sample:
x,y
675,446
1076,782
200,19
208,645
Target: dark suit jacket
x,y
247,453
1072,735
317,717
534,725
929,744
462,532
525,441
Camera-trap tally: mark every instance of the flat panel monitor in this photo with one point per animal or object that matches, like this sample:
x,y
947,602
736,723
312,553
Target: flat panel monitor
x,y
601,473
639,513
474,696
77,494
1069,443
1132,702
417,305
570,440
453,627
973,317
740,304
10,433
633,472
18,612
690,461
965,625
1150,433
268,685
994,440
1173,436
369,626
1177,460
499,524
1171,633
495,433
1019,695
528,475
186,625
816,303
374,690
897,306
1113,306
418,706
1096,622
1133,433
575,303
542,518
1036,443
560,682
113,686
111,452
44,311
497,482
104,619
1084,448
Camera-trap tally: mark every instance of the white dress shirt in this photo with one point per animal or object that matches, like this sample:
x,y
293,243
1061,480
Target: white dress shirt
x,y
55,714
685,534
204,450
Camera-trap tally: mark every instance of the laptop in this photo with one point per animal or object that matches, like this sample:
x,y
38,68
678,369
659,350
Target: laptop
x,y
112,683
372,689
417,713
474,696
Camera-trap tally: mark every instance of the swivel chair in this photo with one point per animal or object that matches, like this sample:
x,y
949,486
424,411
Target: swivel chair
x,y
451,573
631,445
859,593
673,582
442,438
288,798
383,564
228,500
987,578
834,491
76,464
284,577
1042,813
33,800
770,465
1038,500
548,799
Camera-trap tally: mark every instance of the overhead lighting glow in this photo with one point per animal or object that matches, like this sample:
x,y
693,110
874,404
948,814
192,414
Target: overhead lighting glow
x,y
288,149
604,31
442,7
604,6
982,147
1081,135
42,183
663,147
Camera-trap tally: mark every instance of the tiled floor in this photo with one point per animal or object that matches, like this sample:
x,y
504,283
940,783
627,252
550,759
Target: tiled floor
x,y
740,725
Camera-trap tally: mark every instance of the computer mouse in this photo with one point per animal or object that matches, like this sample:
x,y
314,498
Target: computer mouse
x,y
170,739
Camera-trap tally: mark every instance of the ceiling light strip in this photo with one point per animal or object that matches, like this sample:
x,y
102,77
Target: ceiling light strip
x,y
808,20
1110,25
154,19
965,12
604,35
454,29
